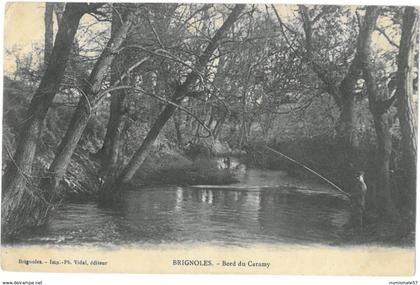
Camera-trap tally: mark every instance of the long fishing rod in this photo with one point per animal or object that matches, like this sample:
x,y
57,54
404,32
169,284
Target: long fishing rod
x,y
310,170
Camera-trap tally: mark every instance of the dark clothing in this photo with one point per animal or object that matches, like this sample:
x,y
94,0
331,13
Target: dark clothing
x,y
359,193
358,202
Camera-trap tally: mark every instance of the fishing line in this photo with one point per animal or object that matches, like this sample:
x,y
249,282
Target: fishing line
x,y
309,169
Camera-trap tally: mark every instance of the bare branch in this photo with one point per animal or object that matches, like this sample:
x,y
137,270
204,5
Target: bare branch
x,y
86,98
169,102
154,32
108,90
281,22
97,18
382,32
131,68
167,55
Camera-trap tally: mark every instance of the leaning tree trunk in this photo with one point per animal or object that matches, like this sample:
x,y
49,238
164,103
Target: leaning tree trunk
x,y
181,91
48,31
22,205
90,95
381,116
110,151
141,154
405,93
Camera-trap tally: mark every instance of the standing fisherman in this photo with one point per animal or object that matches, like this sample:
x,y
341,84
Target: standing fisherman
x,y
358,198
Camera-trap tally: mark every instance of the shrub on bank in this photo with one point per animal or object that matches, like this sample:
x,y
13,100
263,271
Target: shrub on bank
x,y
198,171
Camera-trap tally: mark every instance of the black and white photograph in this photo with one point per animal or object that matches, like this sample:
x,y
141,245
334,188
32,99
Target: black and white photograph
x,y
233,126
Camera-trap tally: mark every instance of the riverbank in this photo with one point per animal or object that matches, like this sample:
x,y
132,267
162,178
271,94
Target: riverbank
x,y
167,164
198,171
168,167
196,164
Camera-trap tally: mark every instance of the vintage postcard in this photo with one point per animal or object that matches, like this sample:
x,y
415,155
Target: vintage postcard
x,y
209,138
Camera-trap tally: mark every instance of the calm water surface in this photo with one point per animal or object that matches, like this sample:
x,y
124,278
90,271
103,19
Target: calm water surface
x,y
265,207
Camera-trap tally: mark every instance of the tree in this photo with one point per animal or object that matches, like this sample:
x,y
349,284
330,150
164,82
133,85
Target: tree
x,y
58,10
343,92
405,93
20,204
379,106
50,10
180,92
91,92
49,31
110,152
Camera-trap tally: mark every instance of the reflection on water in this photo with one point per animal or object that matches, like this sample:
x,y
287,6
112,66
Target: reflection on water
x,y
263,208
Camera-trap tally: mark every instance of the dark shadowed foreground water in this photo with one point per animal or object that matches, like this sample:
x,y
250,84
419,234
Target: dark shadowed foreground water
x,y
266,207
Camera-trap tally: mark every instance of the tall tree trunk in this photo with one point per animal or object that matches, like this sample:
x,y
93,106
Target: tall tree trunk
x,y
343,93
90,95
110,152
343,96
384,199
20,204
178,132
347,125
201,113
405,93
244,118
48,31
179,94
379,108
58,10
219,125
211,118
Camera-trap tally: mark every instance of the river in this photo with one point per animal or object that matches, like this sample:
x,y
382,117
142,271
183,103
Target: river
x,y
265,207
